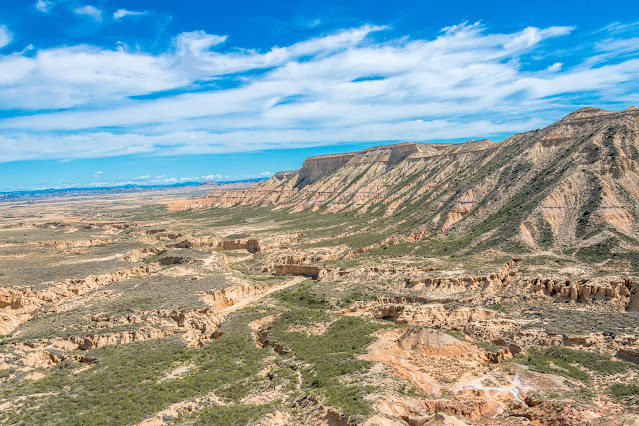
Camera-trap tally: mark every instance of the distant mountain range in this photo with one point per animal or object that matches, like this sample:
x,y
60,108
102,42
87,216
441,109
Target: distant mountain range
x,y
105,190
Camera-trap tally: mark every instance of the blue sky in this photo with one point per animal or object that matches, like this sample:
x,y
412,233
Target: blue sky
x,y
105,92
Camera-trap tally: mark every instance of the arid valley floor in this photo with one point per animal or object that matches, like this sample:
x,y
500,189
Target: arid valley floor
x,y
412,284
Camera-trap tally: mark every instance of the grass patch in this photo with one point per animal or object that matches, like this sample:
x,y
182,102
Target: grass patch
x,y
232,415
354,296
497,307
597,253
545,260
153,258
456,334
564,361
589,207
303,296
580,394
236,236
124,387
623,391
546,236
329,358
487,346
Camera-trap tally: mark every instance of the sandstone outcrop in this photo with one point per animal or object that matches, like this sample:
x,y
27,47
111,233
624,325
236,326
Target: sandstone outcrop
x,y
427,341
304,270
229,296
61,244
478,322
17,305
436,362
251,245
624,294
297,257
139,254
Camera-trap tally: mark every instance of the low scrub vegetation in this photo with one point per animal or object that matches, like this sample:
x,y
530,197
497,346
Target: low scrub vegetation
x,y
124,387
624,392
302,295
571,363
328,358
231,415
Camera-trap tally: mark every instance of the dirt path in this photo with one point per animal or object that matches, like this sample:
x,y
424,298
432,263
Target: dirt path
x,y
248,300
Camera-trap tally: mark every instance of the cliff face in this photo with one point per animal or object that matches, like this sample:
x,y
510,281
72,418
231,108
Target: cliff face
x,y
573,181
322,177
314,168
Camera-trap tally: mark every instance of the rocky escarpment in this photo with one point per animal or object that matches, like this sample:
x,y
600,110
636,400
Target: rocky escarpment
x,y
314,168
18,305
304,270
229,296
252,245
624,294
573,183
61,244
196,326
308,183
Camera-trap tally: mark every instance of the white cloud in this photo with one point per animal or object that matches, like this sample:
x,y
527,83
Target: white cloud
x,y
531,36
90,11
345,86
44,6
212,177
79,75
98,173
69,76
196,43
313,23
6,36
618,28
122,13
555,67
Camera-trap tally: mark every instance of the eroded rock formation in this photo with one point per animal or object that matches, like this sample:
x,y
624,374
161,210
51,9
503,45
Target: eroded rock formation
x,y
17,305
579,174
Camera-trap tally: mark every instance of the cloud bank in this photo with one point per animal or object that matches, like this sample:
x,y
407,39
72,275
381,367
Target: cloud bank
x,y
355,85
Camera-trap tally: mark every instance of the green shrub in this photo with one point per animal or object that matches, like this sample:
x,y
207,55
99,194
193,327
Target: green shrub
x,y
328,357
303,296
560,360
590,206
621,391
546,236
497,307
232,415
597,253
124,387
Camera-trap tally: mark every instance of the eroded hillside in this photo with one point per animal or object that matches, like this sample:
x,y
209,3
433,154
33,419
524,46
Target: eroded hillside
x,y
570,186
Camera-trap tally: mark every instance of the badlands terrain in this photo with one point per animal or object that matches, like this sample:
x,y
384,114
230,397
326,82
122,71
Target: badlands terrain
x,y
412,284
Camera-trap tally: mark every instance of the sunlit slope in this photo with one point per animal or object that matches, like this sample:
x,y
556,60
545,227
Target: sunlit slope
x,y
572,184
